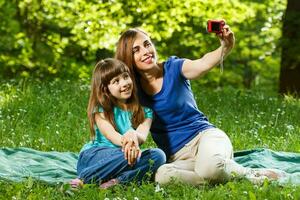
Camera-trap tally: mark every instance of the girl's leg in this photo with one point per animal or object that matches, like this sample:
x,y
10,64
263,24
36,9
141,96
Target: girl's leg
x,y
149,162
99,164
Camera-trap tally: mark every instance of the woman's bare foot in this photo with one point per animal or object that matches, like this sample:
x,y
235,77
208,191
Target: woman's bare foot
x,y
271,174
259,175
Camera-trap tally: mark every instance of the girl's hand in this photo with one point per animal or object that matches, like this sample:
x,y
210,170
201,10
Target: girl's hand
x,y
227,38
130,137
130,146
133,155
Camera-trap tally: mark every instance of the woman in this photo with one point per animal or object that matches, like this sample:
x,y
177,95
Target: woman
x,y
197,151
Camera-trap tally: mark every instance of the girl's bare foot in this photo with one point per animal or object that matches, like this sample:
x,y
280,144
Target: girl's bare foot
x,y
76,183
108,184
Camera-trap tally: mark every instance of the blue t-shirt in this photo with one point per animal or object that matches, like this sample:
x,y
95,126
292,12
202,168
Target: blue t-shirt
x,y
122,119
177,119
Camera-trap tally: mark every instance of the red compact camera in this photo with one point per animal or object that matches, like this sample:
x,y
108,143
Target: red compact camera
x,y
215,26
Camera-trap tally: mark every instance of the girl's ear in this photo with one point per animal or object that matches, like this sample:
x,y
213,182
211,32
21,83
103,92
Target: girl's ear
x,y
103,89
106,91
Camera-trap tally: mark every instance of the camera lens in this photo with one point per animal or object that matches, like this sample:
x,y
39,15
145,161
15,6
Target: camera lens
x,y
215,26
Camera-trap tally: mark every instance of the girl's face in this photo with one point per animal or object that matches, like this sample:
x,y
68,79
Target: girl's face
x,y
144,53
121,87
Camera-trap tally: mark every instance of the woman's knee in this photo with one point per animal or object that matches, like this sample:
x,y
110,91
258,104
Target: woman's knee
x,y
164,173
214,169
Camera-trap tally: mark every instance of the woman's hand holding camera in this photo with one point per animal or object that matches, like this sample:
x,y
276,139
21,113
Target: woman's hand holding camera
x,y
227,39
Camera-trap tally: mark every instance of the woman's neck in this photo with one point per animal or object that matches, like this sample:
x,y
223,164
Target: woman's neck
x,y
152,74
151,80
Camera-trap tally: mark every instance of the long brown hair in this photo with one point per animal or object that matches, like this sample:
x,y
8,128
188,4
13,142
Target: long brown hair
x,y
104,71
125,45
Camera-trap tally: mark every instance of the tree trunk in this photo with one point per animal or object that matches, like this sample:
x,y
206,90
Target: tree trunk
x,y
290,56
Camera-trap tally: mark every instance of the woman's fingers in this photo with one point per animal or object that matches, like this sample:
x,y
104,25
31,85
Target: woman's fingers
x,y
226,37
226,28
227,33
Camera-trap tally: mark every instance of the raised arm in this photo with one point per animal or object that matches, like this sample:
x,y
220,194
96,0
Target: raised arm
x,y
193,69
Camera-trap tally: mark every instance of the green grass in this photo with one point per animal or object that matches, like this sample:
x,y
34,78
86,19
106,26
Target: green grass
x,y
52,116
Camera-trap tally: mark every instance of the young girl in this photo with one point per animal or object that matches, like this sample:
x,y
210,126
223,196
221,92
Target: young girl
x,y
115,116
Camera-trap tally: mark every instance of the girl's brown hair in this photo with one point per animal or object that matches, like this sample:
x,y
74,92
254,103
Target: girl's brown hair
x,y
104,71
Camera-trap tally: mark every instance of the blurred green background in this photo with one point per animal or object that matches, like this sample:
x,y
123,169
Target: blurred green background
x,y
48,49
63,39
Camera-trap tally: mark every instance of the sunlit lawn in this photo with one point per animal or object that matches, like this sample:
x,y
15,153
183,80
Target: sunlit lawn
x,y
51,116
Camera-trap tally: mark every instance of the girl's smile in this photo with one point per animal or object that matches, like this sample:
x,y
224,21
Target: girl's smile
x,y
121,87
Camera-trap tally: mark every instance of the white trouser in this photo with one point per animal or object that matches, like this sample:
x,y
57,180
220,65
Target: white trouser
x,y
208,157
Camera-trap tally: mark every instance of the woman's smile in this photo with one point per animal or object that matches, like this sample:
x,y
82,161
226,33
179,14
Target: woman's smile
x,y
149,59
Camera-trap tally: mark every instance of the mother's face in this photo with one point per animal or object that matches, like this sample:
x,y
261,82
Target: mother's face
x,y
144,53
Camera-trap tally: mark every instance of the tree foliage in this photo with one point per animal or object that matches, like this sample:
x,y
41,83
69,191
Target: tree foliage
x,y
65,38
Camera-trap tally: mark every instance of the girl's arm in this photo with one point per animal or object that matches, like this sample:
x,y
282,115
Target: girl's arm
x,y
193,69
108,130
143,130
129,140
132,138
139,135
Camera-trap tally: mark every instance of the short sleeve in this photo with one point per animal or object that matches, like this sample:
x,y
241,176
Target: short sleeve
x,y
174,67
148,112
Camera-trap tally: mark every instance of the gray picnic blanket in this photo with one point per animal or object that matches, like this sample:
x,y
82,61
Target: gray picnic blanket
x,y
17,164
